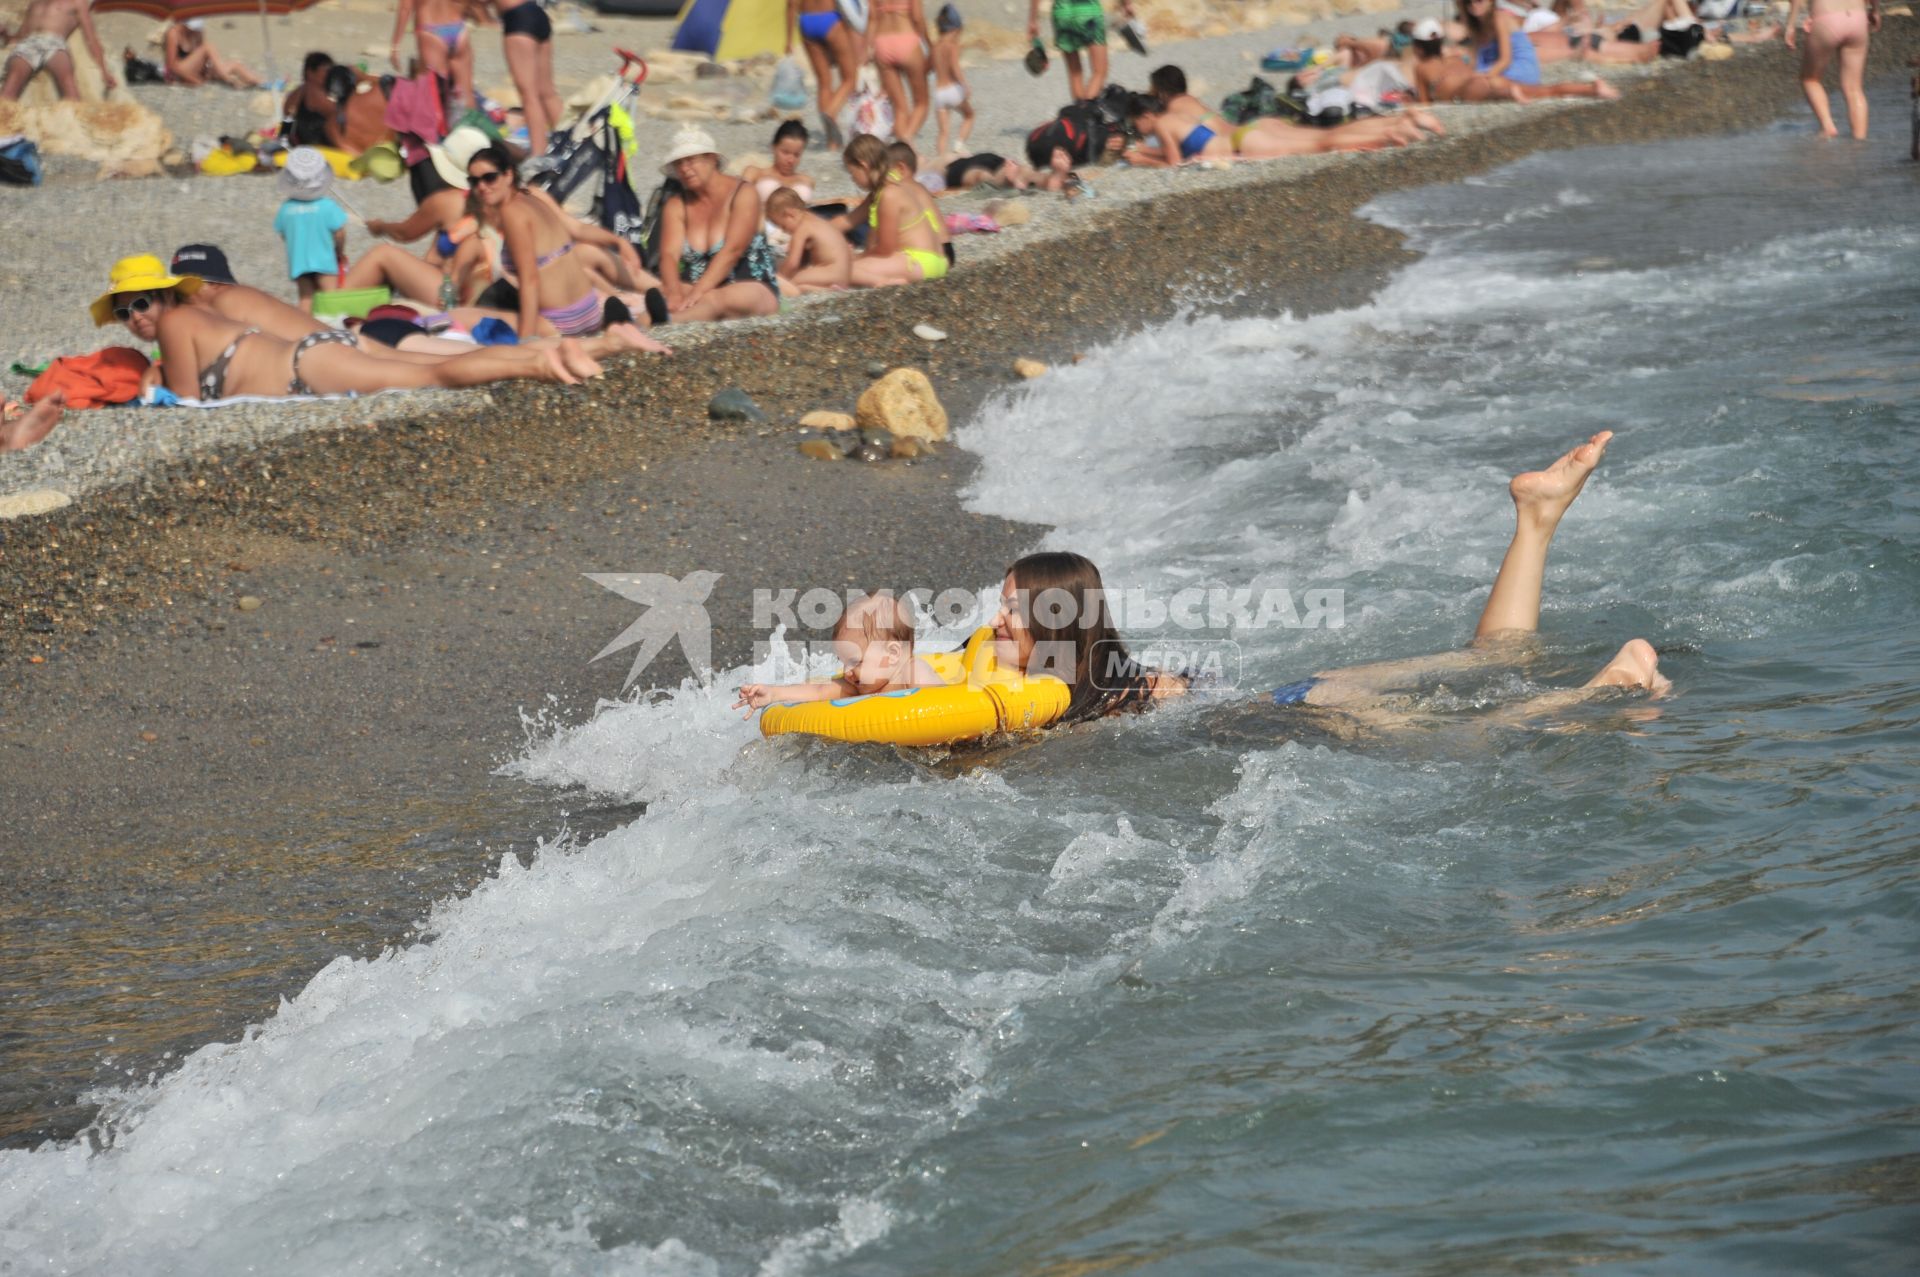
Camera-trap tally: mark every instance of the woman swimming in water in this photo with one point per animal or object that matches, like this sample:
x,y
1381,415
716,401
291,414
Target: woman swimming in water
x,y
1078,643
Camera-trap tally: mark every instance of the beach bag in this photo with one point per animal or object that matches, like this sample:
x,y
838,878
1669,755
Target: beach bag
x,y
1258,101
789,86
1078,129
19,161
1112,105
620,210
868,111
649,241
1681,41
141,71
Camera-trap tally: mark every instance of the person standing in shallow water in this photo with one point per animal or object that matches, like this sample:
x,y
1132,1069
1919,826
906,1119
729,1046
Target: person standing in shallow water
x,y
1086,651
1837,30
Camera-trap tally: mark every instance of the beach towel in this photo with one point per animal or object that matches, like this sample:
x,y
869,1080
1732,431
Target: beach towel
x,y
106,377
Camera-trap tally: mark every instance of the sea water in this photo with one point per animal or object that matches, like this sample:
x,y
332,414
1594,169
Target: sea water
x,y
1622,985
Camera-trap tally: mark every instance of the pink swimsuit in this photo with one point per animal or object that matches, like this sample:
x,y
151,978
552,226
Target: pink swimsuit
x,y
1847,27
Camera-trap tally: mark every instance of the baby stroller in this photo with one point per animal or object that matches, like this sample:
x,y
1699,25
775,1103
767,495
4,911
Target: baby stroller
x,y
591,151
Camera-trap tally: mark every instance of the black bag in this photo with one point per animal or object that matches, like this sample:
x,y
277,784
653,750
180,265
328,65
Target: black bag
x,y
649,241
141,71
1078,129
1681,43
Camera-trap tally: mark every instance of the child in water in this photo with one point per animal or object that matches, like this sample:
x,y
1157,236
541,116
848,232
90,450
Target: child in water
x,y
875,639
951,92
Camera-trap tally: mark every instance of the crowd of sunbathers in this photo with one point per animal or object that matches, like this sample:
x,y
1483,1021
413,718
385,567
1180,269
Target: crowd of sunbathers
x,y
491,278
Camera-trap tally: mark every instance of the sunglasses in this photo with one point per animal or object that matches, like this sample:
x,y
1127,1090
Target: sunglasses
x,y
485,179
138,306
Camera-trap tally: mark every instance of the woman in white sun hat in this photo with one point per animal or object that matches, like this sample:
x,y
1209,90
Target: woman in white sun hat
x,y
714,257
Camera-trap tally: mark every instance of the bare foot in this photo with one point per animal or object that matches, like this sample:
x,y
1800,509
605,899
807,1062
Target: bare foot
x,y
1542,496
1428,121
575,359
632,337
35,424
1635,665
1605,91
550,356
1519,95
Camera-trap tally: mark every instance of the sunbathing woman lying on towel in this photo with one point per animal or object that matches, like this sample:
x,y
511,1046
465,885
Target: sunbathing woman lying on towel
x,y
1184,126
207,356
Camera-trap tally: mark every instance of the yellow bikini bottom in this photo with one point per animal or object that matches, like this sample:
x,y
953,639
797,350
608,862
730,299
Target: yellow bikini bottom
x,y
932,265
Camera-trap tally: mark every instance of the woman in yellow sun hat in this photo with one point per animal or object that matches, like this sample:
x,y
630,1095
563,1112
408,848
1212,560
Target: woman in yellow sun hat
x,y
207,356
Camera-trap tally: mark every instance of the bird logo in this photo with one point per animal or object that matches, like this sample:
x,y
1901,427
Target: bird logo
x,y
675,610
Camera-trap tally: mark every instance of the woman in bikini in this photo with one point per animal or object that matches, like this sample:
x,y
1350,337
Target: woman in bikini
x,y
712,231
898,30
1077,642
527,38
789,145
1179,119
441,37
206,356
1505,64
559,294
1182,124
833,47
906,242
1836,29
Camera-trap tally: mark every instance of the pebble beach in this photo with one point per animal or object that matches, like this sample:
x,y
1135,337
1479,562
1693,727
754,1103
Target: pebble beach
x,y
52,284
204,587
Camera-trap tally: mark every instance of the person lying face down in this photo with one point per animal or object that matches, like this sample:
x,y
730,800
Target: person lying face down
x,y
875,641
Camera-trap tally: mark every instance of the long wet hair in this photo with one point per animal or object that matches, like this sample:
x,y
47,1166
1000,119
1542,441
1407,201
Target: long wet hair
x,y
1105,678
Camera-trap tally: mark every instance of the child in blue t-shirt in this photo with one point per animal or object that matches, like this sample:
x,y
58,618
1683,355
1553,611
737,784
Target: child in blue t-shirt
x,y
313,227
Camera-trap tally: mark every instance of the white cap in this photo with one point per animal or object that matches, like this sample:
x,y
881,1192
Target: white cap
x,y
195,24
1429,29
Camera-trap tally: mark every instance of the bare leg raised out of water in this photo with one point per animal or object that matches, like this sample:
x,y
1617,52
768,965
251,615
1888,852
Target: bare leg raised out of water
x,y
1540,500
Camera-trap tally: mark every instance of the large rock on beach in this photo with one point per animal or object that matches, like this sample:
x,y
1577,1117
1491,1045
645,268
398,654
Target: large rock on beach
x,y
904,403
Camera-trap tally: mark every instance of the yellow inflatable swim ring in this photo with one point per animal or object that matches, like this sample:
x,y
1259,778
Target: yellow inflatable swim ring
x,y
979,700
339,161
